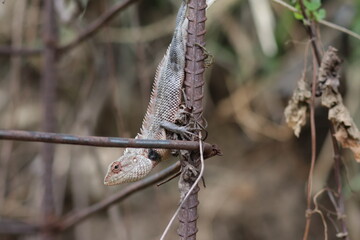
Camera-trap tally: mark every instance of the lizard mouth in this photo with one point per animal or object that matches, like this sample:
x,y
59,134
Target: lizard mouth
x,y
108,182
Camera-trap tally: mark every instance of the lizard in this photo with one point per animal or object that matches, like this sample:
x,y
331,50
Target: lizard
x,y
165,99
162,111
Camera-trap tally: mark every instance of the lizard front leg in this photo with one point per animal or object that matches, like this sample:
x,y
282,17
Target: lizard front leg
x,y
183,131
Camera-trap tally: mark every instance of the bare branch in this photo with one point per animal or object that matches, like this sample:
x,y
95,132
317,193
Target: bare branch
x,y
210,150
6,50
76,217
337,161
194,91
87,33
48,95
10,226
73,218
194,185
97,24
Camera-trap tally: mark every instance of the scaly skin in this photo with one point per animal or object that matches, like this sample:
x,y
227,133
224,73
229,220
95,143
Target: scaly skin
x,y
164,103
163,107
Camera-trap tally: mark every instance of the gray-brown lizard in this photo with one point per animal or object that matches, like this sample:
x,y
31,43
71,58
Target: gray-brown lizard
x,y
164,104
162,110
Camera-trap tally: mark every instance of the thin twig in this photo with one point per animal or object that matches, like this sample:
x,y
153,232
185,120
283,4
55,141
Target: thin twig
x,y
190,191
286,5
316,56
48,93
339,28
97,24
313,152
340,207
210,150
317,210
323,22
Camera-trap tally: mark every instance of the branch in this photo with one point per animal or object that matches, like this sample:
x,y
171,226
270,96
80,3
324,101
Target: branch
x,y
337,161
194,92
323,22
78,216
97,24
87,33
210,150
10,226
6,50
73,218
48,96
339,28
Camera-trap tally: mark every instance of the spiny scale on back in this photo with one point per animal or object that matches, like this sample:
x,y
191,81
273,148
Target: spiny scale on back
x,y
164,103
166,93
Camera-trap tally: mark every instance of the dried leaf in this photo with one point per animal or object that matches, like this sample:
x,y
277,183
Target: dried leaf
x,y
346,131
295,111
347,142
329,76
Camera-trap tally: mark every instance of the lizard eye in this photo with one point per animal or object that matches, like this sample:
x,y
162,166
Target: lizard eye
x,y
116,167
153,155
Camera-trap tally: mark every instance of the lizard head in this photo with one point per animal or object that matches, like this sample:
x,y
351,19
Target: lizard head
x,y
132,166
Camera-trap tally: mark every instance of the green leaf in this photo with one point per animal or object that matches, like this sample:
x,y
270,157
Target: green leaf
x,y
298,16
312,5
297,6
320,15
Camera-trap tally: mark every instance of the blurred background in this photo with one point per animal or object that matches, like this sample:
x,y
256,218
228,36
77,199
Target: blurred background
x,y
256,190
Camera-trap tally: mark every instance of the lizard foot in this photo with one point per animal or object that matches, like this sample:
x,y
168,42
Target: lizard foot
x,y
209,58
184,132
